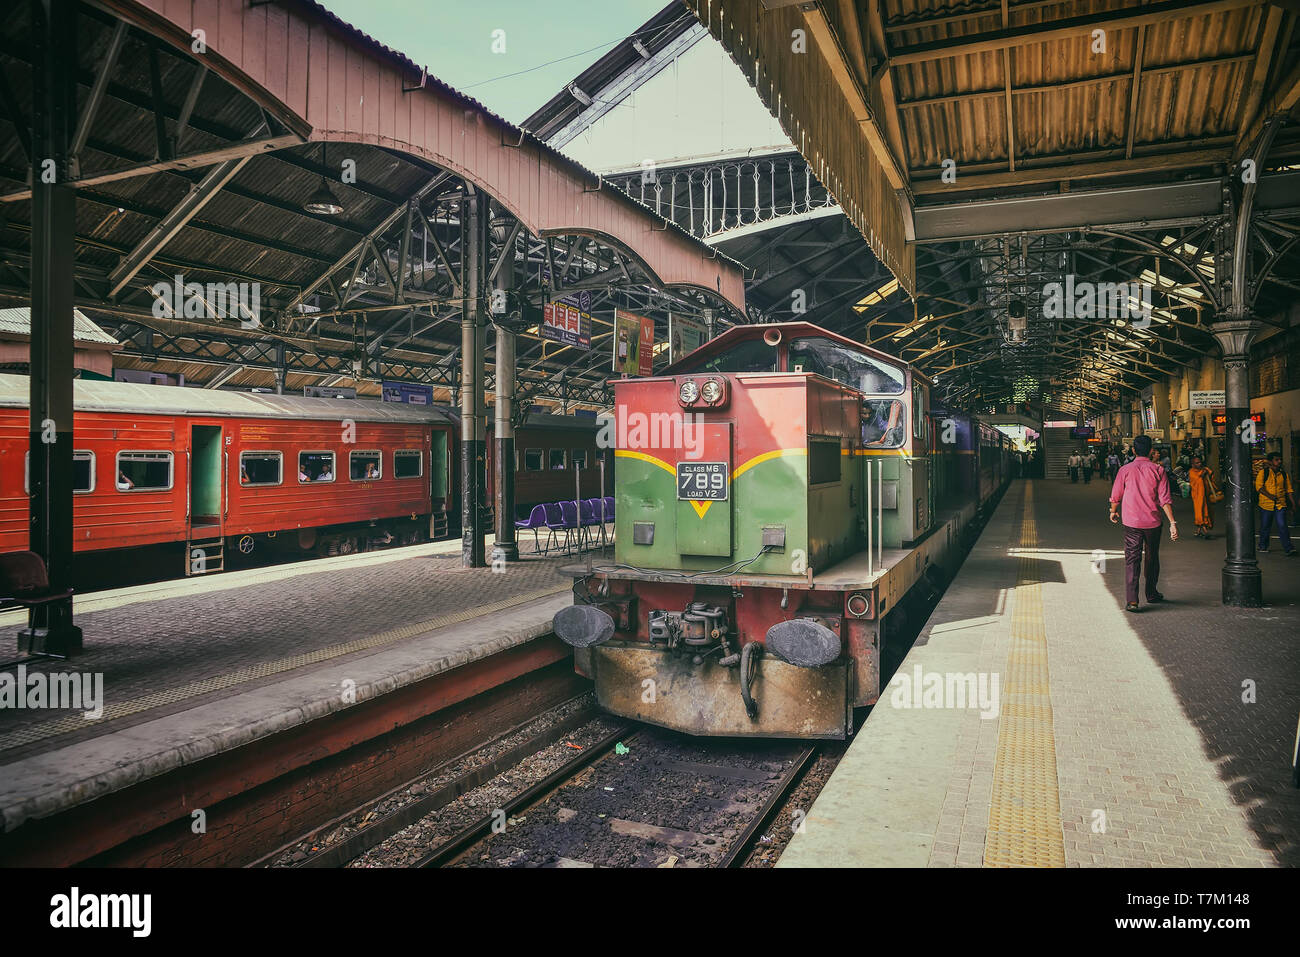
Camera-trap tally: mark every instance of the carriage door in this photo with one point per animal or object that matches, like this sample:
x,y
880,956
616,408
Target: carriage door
x,y
206,500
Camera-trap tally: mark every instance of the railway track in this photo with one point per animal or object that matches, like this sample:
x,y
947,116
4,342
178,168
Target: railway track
x,y
639,797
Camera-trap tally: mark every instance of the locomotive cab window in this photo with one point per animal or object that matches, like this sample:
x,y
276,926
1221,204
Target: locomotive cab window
x,y
884,423
408,463
83,472
532,460
261,468
824,460
579,458
557,459
315,467
857,370
753,355
918,411
144,471
364,466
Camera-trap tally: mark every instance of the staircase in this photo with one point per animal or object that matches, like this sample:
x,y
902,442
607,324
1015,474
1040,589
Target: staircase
x,y
203,557
1057,449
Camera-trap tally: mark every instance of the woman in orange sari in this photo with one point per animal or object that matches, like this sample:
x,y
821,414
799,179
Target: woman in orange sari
x,y
1201,480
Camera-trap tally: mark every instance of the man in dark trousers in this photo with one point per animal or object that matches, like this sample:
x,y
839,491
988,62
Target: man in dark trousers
x,y
1142,487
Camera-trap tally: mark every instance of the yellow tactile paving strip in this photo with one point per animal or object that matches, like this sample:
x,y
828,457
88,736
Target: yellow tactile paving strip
x,y
157,699
1025,811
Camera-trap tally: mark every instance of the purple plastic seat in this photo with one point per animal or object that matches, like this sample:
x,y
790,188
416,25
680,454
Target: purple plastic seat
x,y
555,523
571,524
536,519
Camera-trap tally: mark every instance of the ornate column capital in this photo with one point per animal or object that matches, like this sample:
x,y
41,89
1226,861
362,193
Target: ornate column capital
x,y
1235,336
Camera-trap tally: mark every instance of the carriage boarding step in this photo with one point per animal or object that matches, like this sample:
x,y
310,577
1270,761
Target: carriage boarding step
x,y
203,557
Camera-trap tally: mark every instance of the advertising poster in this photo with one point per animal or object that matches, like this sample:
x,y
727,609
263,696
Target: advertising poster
x,y
410,393
568,322
684,336
634,343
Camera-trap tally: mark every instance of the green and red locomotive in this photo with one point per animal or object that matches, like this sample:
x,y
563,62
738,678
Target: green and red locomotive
x,y
773,502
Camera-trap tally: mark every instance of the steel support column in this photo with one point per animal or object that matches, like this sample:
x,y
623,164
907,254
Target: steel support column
x,y
473,332
50,629
1242,583
506,549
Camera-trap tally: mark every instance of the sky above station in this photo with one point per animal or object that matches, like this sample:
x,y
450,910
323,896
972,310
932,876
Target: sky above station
x,y
546,42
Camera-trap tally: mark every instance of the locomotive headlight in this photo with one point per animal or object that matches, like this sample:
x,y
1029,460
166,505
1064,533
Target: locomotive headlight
x,y
712,391
689,393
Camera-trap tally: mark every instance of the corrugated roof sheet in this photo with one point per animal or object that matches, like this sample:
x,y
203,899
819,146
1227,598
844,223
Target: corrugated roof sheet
x,y
94,396
17,320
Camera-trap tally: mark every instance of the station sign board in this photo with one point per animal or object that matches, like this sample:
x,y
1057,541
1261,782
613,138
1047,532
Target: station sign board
x,y
1207,399
329,392
1082,432
410,393
1220,421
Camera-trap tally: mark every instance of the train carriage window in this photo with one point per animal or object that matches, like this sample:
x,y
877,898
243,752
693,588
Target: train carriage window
x,y
857,370
83,472
261,468
408,463
558,459
532,460
144,471
315,467
365,466
579,458
884,423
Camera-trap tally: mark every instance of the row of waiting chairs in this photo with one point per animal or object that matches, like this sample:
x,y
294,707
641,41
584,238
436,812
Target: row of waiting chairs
x,y
574,520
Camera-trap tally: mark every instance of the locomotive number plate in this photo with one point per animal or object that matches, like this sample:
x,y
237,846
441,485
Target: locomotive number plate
x,y
702,481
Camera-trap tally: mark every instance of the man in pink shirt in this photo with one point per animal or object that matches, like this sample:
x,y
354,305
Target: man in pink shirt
x,y
1143,488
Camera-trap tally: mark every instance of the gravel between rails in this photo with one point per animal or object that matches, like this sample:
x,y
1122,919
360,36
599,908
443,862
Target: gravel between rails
x,y
440,776
668,800
409,845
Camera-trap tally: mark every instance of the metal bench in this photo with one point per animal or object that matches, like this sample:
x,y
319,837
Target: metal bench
x,y
25,583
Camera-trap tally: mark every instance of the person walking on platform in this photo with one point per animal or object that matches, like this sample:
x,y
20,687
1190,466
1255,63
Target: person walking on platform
x,y
1112,465
1089,463
1074,461
1205,492
1275,495
1142,487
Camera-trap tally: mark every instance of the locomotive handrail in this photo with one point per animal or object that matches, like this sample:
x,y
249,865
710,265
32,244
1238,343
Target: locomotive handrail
x,y
225,492
189,481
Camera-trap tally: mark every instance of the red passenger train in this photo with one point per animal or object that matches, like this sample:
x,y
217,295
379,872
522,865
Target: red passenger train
x,y
161,464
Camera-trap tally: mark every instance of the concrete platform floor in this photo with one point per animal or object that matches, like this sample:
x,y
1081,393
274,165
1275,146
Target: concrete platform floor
x,y
168,646
1157,739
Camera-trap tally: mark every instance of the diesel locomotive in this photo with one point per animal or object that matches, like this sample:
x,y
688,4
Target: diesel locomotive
x,y
779,491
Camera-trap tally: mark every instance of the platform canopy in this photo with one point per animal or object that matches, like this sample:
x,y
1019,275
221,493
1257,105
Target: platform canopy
x,y
213,138
987,150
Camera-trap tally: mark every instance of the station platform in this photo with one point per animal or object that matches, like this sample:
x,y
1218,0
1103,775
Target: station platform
x,y
201,667
1162,738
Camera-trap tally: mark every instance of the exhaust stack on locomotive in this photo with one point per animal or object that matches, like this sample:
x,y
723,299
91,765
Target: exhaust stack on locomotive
x,y
765,483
